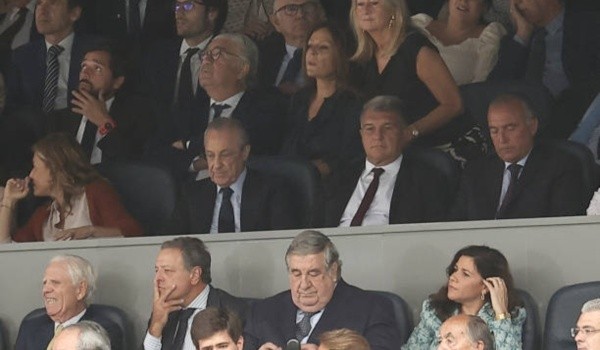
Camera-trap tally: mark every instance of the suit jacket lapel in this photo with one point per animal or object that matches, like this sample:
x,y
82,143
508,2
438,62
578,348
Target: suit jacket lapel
x,y
252,192
203,200
528,174
347,187
495,174
398,209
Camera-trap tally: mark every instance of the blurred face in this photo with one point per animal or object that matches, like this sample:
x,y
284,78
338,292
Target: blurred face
x,y
512,134
193,19
294,18
589,321
465,284
382,137
532,10
170,271
96,77
66,340
222,65
467,10
220,341
62,299
41,177
320,55
53,17
311,283
453,336
372,15
225,155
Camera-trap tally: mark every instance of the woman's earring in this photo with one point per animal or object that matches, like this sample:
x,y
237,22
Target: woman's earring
x,y
391,23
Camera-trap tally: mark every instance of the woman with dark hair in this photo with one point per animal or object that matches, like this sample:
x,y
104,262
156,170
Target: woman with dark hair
x,y
324,116
479,283
82,205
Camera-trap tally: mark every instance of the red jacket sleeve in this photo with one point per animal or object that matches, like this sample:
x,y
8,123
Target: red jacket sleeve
x,y
32,231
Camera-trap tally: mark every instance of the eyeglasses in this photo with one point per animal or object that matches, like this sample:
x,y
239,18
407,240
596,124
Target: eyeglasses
x,y
585,331
308,8
186,6
215,53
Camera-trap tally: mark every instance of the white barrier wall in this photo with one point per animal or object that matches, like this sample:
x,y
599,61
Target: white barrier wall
x,y
544,254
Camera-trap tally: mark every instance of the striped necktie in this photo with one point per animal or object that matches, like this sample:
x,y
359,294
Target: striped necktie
x,y
51,82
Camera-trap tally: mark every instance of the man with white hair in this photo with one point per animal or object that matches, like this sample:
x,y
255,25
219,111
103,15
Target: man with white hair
x,y
68,284
588,326
465,332
84,335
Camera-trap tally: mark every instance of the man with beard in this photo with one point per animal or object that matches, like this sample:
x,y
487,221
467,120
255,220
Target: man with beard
x,y
108,125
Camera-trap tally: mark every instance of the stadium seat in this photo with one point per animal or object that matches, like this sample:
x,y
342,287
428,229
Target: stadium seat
x,y
3,342
403,314
531,327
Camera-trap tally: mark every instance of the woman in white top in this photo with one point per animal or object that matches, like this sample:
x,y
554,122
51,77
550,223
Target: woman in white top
x,y
468,46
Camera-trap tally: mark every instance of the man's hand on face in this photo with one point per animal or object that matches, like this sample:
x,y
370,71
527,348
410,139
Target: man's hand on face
x,y
94,109
161,308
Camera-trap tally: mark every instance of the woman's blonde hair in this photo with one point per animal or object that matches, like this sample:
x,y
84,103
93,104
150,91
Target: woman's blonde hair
x,y
69,167
398,25
343,339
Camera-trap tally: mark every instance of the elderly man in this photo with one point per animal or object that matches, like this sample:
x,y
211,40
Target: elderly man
x,y
388,187
523,179
84,335
68,285
181,290
319,300
233,198
281,53
588,326
465,332
217,328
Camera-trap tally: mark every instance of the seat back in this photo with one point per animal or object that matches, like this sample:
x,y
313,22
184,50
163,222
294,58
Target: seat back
x,y
148,191
531,327
3,341
563,311
303,180
402,312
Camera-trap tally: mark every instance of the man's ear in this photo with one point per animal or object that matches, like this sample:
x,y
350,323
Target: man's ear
x,y
81,290
240,343
196,275
118,82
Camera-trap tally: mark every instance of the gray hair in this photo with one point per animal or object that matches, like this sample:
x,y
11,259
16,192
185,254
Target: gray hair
x,y
519,98
249,53
80,270
386,103
478,330
194,253
314,242
219,124
591,305
92,336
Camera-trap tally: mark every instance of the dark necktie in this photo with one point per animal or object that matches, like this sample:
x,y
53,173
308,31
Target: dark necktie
x,y
514,170
537,56
186,89
51,82
182,325
367,199
135,22
89,138
9,33
293,67
303,327
218,109
226,218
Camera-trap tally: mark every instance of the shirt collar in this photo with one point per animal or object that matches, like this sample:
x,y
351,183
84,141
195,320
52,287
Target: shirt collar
x,y
65,43
238,184
520,162
72,320
200,301
231,101
290,49
391,168
556,24
185,45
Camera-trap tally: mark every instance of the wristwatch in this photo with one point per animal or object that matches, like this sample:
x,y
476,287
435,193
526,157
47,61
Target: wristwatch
x,y
502,316
107,127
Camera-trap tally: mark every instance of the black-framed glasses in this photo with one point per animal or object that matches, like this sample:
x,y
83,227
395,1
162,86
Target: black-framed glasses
x,y
586,331
308,8
186,6
215,53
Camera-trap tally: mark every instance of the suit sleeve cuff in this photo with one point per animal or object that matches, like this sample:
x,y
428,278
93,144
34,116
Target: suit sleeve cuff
x,y
152,342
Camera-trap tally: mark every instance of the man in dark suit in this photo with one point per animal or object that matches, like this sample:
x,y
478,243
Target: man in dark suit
x,y
234,198
68,284
319,300
281,52
556,46
389,187
181,290
109,125
523,179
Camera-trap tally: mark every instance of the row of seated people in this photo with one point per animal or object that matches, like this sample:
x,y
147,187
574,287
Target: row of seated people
x,y
391,185
319,300
391,58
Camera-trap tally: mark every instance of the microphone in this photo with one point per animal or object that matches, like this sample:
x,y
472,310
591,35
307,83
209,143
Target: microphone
x,y
292,344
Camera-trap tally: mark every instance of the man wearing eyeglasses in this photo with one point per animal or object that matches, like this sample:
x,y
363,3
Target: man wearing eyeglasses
x,y
281,53
588,325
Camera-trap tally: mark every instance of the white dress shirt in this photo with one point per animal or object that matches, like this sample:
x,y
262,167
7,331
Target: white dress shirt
x,y
236,202
78,216
64,64
71,321
506,178
199,303
379,211
194,63
284,63
96,152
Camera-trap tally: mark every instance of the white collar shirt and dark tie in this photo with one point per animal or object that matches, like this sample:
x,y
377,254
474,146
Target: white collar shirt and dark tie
x,y
199,303
289,49
506,178
23,35
96,151
236,201
314,319
379,211
231,101
64,62
194,63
